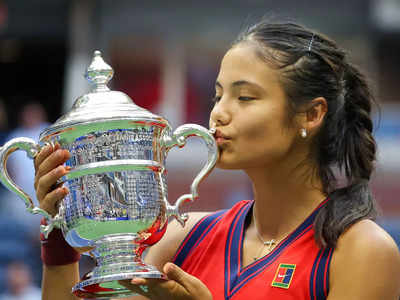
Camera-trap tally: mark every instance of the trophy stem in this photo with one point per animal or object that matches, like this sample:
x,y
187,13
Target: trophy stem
x,y
118,257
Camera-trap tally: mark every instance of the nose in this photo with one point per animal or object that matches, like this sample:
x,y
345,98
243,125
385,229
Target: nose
x,y
220,114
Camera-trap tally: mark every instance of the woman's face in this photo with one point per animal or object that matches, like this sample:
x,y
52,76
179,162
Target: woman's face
x,y
250,113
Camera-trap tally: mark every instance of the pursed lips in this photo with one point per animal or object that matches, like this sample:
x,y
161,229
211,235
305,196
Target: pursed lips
x,y
221,138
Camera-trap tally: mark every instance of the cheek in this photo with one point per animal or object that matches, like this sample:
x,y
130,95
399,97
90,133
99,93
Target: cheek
x,y
260,128
265,140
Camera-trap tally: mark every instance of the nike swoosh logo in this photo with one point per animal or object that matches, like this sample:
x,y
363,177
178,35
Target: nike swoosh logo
x,y
280,276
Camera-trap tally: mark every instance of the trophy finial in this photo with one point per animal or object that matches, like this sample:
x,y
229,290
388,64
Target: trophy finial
x,y
99,73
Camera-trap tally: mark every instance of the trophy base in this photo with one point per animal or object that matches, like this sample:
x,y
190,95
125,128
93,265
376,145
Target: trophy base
x,y
117,257
106,287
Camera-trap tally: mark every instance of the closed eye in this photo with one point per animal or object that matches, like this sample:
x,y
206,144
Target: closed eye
x,y
246,98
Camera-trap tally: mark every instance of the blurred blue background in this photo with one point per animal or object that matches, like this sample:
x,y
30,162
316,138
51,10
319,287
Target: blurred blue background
x,y
166,56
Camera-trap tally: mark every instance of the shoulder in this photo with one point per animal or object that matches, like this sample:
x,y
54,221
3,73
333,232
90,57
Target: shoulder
x,y
366,240
365,264
163,251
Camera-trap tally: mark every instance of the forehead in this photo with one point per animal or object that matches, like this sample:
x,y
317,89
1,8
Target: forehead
x,y
242,63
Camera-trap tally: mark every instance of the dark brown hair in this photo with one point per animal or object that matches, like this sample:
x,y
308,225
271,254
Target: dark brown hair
x,y
312,65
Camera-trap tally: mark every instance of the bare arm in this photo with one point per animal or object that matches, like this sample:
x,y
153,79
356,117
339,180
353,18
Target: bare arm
x,y
163,251
365,265
57,282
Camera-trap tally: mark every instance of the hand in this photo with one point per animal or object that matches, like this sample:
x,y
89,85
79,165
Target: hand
x,y
48,169
179,286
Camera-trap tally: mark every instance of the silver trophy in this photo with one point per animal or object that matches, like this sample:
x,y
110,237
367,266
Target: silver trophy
x,y
117,205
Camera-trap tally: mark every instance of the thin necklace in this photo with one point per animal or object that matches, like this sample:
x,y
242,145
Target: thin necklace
x,y
270,243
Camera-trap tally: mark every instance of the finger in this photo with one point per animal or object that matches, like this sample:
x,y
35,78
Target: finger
x,y
192,284
175,273
53,160
159,288
44,152
138,289
56,158
47,182
152,283
50,202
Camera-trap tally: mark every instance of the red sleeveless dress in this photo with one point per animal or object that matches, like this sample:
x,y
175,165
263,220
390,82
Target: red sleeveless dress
x,y
297,268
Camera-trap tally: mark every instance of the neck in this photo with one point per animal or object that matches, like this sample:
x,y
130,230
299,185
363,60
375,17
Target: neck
x,y
284,197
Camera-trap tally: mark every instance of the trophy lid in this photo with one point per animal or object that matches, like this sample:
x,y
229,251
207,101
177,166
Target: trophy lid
x,y
102,104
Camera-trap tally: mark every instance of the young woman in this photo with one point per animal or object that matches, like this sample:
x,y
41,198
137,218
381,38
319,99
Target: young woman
x,y
290,110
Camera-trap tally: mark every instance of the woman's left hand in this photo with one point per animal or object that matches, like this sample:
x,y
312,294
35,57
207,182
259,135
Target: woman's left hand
x,y
179,286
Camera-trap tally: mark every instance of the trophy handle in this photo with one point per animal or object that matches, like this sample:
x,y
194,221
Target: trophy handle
x,y
179,139
32,149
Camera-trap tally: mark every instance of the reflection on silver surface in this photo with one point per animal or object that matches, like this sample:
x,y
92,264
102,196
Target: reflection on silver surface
x,y
117,205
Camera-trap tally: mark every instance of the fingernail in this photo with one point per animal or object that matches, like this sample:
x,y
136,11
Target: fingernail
x,y
59,170
137,280
169,267
45,149
59,153
68,168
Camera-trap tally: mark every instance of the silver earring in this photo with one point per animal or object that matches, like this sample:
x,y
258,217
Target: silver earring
x,y
303,133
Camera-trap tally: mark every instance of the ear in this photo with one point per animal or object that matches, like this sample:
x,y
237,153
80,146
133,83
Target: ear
x,y
314,114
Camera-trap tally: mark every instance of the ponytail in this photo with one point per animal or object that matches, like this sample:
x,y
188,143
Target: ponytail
x,y
356,149
345,207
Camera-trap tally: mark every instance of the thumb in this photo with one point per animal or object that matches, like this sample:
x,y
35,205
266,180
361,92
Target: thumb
x,y
175,273
193,285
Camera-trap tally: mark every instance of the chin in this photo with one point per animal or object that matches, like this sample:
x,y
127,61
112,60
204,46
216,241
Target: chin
x,y
226,165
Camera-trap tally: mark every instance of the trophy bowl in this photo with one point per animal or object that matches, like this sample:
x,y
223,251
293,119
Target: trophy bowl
x,y
117,205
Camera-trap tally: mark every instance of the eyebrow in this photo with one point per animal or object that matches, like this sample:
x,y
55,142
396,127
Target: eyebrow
x,y
240,83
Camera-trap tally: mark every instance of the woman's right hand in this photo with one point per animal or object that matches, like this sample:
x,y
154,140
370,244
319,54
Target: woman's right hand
x,y
57,280
49,167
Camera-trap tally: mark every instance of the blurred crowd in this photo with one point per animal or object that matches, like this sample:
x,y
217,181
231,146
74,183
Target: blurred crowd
x,y
19,234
